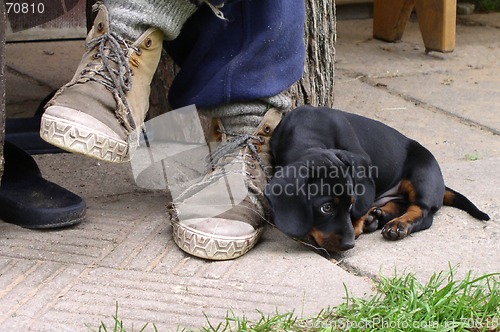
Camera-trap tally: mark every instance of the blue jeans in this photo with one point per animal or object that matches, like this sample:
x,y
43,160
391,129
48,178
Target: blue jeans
x,y
257,52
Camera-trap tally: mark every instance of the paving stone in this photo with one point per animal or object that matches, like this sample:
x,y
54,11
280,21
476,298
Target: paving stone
x,y
443,135
51,63
131,260
461,93
475,48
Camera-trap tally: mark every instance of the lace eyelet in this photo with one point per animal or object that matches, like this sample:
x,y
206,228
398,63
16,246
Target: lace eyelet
x,y
138,52
252,165
267,129
261,139
96,56
100,26
148,42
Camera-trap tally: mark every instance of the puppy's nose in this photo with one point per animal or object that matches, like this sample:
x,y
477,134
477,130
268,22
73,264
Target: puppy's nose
x,y
347,245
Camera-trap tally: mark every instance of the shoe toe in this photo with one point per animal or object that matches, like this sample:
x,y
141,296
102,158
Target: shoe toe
x,y
79,120
220,227
215,238
78,132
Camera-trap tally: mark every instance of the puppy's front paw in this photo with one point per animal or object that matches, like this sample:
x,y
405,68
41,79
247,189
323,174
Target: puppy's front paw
x,y
396,229
372,219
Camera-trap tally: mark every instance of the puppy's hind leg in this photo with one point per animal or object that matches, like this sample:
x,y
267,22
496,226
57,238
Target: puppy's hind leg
x,y
379,216
423,187
418,216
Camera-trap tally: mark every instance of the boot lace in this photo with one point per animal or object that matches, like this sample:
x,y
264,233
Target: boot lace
x,y
114,73
228,152
226,155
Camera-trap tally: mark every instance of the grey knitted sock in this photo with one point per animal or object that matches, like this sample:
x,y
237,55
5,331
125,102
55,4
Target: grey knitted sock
x,y
245,117
131,18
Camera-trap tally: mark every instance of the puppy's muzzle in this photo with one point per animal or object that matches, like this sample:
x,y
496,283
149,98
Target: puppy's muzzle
x,y
332,241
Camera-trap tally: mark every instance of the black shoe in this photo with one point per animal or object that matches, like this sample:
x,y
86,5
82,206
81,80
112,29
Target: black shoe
x,y
30,201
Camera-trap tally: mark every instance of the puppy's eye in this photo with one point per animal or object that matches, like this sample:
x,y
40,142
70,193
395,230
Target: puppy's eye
x,y
326,208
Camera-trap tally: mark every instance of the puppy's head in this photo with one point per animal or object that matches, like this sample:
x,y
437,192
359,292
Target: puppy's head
x,y
316,198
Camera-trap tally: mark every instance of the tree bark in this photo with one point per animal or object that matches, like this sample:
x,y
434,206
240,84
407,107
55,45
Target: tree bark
x,y
316,86
3,20
162,80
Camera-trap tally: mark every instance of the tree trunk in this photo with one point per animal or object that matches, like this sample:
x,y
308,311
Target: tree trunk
x,y
162,80
3,20
316,86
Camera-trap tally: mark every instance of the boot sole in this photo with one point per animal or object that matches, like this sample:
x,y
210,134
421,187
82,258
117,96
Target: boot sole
x,y
212,247
74,137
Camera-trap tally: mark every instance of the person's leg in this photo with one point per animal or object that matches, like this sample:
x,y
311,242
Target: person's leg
x,y
130,19
236,72
98,111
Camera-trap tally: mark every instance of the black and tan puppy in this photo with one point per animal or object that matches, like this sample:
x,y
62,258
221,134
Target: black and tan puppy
x,y
340,174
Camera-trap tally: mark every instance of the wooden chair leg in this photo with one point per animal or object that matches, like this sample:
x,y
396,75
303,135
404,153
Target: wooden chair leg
x,y
436,18
437,21
390,17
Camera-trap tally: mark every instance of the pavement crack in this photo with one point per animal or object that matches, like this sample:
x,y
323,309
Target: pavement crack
x,y
372,82
339,260
355,270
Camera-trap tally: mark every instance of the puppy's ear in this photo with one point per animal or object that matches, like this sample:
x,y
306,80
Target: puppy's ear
x,y
288,197
361,171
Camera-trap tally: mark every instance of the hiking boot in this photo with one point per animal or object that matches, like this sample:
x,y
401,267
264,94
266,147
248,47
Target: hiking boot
x,y
101,110
223,216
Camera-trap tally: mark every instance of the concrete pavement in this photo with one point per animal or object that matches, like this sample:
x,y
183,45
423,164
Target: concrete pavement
x,y
451,104
71,279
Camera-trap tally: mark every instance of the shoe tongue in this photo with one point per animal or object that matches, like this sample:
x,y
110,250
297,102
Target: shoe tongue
x,y
241,124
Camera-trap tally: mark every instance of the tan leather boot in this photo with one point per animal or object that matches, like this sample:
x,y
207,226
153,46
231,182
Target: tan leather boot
x,y
98,113
215,219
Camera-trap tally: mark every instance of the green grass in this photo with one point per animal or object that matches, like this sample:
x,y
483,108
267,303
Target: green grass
x,y
473,157
402,303
489,5
442,304
118,326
